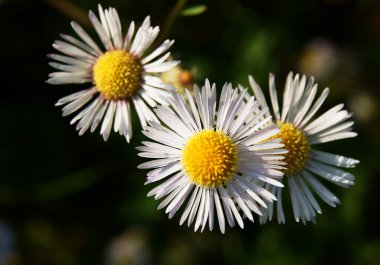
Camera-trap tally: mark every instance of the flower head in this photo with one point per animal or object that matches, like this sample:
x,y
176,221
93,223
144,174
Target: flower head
x,y
209,158
300,132
180,78
120,75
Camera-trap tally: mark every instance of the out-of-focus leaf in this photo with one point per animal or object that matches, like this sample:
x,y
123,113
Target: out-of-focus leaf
x,y
194,10
66,185
57,187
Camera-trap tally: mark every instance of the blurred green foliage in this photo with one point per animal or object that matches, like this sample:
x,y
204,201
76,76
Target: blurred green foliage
x,y
67,199
194,10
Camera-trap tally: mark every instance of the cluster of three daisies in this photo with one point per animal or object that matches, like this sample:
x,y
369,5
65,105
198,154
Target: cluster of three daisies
x,y
224,161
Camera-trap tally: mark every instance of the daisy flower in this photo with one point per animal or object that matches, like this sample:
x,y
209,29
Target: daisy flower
x,y
300,132
208,158
120,75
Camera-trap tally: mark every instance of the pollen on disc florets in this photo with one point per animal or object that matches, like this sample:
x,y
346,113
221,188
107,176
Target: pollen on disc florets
x,y
298,147
117,74
210,158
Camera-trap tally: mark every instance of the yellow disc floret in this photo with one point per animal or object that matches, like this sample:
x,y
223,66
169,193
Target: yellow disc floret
x,y
297,145
117,74
210,158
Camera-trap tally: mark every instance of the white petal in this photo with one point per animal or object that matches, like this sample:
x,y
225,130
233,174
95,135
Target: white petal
x,y
273,97
89,109
343,127
200,210
288,96
189,205
70,60
240,201
219,212
326,195
173,186
102,33
126,122
59,78
304,108
228,200
250,192
280,211
211,210
88,118
331,173
75,96
161,189
72,50
332,159
99,115
315,107
103,20
107,121
163,172
308,193
262,135
172,195
329,118
70,68
332,137
85,37
294,200
128,37
80,45
157,163
163,67
179,200
195,208
257,91
76,104
157,52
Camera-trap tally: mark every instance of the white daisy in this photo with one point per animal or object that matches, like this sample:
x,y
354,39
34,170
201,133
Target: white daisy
x,y
299,132
119,75
209,158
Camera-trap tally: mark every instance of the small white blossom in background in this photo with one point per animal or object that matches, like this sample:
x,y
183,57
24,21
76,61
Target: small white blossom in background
x,y
301,132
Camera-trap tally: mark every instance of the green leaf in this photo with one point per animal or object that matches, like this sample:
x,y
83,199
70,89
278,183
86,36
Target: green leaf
x,y
194,10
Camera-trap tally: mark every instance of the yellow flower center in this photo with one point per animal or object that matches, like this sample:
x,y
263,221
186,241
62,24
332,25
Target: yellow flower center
x,y
117,74
210,158
297,145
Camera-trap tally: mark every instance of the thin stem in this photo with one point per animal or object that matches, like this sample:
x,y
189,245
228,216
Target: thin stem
x,y
70,10
168,24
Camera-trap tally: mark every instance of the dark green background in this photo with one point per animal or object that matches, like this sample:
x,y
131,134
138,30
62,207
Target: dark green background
x,y
67,199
